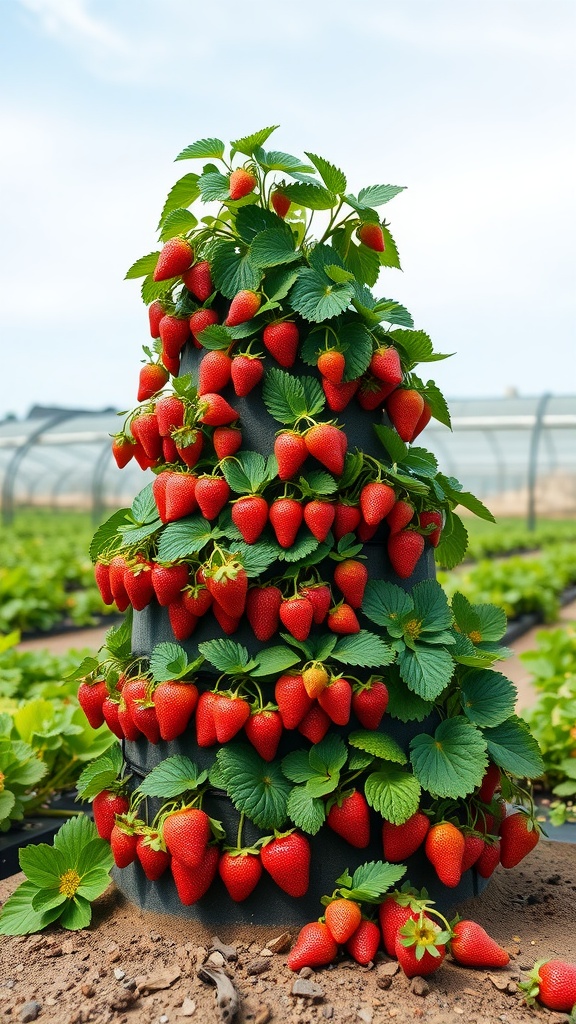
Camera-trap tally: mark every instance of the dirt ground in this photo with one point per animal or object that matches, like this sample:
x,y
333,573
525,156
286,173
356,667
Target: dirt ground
x,y
136,968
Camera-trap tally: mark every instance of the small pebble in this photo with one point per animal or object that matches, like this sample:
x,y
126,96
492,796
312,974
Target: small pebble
x,y
309,989
305,972
419,986
30,1011
119,973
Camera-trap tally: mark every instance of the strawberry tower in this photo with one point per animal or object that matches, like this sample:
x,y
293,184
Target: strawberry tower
x,y
294,693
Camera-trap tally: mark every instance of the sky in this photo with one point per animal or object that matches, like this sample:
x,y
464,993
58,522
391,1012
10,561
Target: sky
x,y
470,104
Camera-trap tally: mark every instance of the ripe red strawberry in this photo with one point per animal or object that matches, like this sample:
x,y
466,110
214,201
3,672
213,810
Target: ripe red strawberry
x,y
336,700
204,719
170,451
240,870
490,783
186,834
212,493
200,320
189,443
180,497
136,694
198,280
169,414
138,584
242,182
473,849
116,570
280,202
262,611
243,307
281,339
315,679
351,577
91,697
291,452
372,236
286,515
297,615
404,550
264,730
159,485
401,515
292,700
365,532
197,599
314,947
214,372
425,519
142,459
363,945
102,577
338,396
444,847
519,834
231,713
350,818
151,379
342,619
385,365
175,703
342,919
320,598
315,724
105,806
174,332
152,854
425,932
175,258
215,411
250,515
123,844
172,363
319,517
369,703
247,372
376,501
372,392
226,441
193,883
347,519
404,407
168,581
229,624
110,710
425,417
471,946
122,449
182,621
228,585
328,444
553,984
488,860
287,860
332,365
401,841
144,428
155,313
395,910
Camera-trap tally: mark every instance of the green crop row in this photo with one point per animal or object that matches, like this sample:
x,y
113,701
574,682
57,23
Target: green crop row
x,y
512,535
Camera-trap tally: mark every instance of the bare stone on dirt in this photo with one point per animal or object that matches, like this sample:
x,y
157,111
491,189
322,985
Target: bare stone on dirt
x,y
161,979
228,952
419,986
30,1011
281,943
188,1008
259,966
308,989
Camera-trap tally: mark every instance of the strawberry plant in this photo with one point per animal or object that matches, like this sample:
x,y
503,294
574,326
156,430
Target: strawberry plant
x,y
279,569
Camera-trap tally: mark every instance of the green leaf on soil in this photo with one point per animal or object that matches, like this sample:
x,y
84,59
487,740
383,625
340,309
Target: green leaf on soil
x,y
452,762
19,918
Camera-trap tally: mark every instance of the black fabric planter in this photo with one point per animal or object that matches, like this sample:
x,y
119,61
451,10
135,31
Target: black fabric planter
x,y
331,855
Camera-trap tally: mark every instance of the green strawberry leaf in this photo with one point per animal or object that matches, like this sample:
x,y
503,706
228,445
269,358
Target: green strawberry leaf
x,y
288,398
296,766
272,661
379,744
317,298
453,542
100,773
363,649
390,256
513,748
473,504
303,546
435,399
278,282
256,558
145,265
452,762
185,537
403,703
233,271
177,222
425,670
385,603
307,812
273,247
415,347
371,881
356,342
392,312
328,756
431,607
488,698
393,793
312,197
361,261
255,786
275,160
182,194
249,143
376,195
227,656
18,916
247,472
333,178
391,442
204,149
106,536
216,336
168,661
172,777
421,462
251,220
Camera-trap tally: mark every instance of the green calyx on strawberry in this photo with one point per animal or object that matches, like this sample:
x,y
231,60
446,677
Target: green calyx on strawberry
x,y
552,983
421,946
227,582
